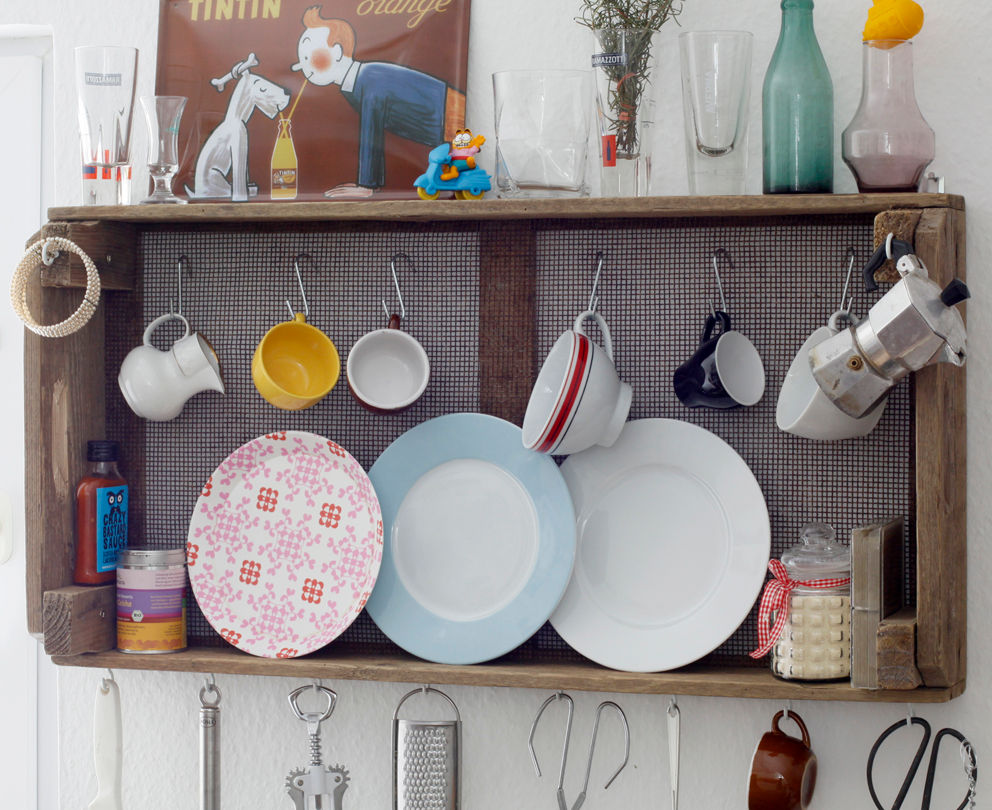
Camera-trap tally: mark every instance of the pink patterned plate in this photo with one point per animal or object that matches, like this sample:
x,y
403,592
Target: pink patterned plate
x,y
284,544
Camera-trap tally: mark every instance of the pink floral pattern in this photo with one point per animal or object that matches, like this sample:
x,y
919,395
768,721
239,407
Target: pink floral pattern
x,y
285,544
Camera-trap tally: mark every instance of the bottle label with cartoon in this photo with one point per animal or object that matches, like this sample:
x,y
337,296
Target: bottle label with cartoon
x,y
111,525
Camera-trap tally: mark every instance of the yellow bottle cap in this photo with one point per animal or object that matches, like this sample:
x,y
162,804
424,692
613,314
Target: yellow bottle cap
x,y
893,19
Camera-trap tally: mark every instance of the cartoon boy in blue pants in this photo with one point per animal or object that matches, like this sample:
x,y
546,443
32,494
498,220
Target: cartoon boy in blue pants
x,y
386,96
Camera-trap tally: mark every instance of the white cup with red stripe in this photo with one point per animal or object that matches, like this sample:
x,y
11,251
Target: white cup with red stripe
x,y
578,400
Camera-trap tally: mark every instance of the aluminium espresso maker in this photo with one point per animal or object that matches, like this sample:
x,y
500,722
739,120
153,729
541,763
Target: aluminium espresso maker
x,y
914,325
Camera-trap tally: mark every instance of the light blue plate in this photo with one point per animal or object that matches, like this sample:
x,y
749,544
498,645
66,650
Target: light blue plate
x,y
529,482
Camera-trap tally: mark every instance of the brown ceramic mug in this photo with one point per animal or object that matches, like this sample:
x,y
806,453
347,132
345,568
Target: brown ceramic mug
x,y
783,770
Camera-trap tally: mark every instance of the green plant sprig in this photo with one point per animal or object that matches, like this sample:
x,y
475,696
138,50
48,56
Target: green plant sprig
x,y
607,18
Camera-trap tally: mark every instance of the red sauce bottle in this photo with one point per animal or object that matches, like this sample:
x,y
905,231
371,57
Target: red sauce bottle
x,y
101,516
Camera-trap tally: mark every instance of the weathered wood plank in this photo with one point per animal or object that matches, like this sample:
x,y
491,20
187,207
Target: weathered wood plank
x,y
588,208
897,651
338,664
941,485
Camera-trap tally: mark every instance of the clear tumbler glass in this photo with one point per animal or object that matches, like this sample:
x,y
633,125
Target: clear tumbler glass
x,y
162,113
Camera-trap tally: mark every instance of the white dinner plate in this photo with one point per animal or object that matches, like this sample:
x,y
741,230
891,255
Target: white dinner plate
x,y
672,547
479,539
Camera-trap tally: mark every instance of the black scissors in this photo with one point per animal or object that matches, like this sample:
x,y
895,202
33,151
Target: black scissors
x,y
971,766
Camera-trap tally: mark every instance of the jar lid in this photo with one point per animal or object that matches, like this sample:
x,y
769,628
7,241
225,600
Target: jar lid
x,y
146,556
101,450
818,554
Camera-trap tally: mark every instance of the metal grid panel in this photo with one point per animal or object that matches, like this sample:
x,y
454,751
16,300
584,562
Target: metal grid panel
x,y
654,293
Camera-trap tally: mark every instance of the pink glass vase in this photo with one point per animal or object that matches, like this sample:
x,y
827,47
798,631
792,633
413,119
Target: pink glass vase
x,y
888,144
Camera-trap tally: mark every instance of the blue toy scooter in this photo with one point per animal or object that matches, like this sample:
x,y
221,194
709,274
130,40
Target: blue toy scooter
x,y
470,184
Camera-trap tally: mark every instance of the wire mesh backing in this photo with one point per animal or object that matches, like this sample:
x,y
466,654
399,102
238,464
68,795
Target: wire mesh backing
x,y
655,291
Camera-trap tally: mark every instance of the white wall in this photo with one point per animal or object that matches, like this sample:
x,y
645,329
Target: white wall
x,y
262,741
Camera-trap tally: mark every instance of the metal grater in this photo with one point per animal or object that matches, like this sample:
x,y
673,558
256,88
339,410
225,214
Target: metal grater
x,y
426,759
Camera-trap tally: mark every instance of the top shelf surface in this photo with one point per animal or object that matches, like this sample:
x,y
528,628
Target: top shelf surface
x,y
454,210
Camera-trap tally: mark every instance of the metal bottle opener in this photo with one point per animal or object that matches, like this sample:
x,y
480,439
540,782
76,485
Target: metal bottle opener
x,y
316,787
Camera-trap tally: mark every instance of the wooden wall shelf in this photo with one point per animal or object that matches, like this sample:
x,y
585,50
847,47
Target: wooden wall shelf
x,y
66,404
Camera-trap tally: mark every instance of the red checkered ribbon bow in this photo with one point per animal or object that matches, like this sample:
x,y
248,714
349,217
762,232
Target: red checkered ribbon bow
x,y
775,599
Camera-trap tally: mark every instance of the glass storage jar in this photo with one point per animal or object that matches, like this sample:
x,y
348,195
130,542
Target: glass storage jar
x,y
815,643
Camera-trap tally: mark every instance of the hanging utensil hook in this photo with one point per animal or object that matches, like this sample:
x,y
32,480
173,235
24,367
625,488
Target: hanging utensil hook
x,y
299,280
719,282
105,682
179,286
593,297
851,254
606,704
396,284
560,791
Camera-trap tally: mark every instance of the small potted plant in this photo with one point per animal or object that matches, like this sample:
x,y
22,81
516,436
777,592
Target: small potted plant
x,y
626,33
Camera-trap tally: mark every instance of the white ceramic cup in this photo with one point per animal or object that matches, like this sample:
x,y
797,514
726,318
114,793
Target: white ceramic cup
x,y
803,408
156,383
578,400
388,369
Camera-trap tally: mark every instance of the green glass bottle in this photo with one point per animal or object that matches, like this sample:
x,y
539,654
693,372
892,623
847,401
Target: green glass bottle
x,y
797,109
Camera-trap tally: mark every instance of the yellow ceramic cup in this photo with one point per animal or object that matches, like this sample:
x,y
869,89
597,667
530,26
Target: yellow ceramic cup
x,y
295,365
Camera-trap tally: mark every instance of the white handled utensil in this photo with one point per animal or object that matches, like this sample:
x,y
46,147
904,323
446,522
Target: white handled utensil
x,y
107,746
674,718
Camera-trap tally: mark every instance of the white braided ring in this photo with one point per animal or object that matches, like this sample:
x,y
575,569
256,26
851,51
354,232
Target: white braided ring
x,y
31,261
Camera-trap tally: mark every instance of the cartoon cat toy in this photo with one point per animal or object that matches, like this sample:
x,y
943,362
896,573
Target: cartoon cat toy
x,y
464,148
316,787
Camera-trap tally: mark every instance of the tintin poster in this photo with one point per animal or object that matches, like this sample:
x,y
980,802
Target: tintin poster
x,y
295,100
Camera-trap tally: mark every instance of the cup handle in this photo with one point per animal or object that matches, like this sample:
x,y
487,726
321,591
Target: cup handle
x,y
169,316
607,339
798,721
841,320
719,317
394,321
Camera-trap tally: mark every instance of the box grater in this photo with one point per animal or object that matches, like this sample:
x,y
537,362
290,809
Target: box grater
x,y
426,759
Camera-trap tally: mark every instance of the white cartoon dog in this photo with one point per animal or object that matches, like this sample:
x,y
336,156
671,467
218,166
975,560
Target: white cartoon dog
x,y
225,151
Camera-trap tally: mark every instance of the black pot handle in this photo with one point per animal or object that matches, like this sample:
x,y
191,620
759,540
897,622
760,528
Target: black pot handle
x,y
718,317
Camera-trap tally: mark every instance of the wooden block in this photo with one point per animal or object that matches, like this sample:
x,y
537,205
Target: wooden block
x,y
941,478
902,224
897,651
80,619
113,247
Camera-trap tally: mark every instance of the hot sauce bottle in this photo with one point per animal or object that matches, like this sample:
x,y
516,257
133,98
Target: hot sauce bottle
x,y
101,516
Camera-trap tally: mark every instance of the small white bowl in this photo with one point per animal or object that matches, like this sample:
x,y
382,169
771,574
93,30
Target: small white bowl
x,y
387,370
578,400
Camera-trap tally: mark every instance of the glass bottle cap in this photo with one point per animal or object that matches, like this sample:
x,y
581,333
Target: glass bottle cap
x,y
818,554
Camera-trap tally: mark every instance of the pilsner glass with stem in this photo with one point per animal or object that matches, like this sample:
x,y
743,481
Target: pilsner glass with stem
x,y
162,114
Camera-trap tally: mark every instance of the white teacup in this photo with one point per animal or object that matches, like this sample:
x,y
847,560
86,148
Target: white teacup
x,y
156,384
803,409
388,369
578,400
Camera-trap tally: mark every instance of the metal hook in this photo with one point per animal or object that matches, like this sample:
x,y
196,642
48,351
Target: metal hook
x,y
719,282
909,714
606,704
851,253
396,284
787,710
179,285
46,257
299,279
105,682
209,687
560,792
593,298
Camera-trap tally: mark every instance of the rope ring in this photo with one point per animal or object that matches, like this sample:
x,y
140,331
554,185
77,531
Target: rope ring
x,y
35,257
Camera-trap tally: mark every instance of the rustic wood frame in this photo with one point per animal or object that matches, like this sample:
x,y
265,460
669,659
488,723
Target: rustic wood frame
x,y
65,404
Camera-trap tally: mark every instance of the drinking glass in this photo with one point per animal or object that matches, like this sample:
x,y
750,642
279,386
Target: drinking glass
x,y
543,124
162,114
716,80
105,77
